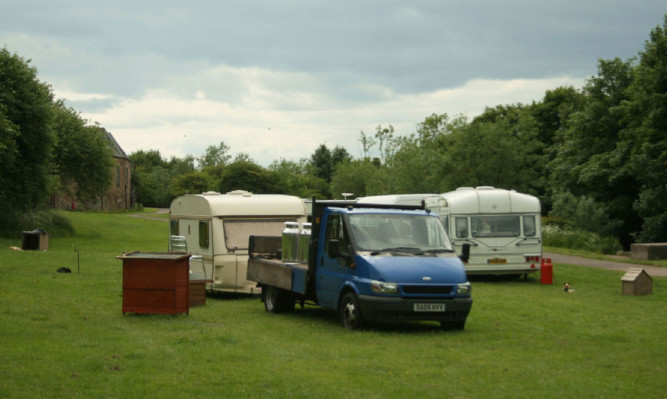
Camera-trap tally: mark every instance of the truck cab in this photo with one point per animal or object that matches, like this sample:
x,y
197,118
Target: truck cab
x,y
382,264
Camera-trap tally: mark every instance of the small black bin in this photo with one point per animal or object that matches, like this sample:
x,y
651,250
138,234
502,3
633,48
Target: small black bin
x,y
35,240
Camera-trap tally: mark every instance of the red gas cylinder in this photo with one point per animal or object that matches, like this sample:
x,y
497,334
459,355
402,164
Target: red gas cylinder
x,y
546,272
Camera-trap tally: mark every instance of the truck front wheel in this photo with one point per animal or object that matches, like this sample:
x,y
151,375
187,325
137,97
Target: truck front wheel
x,y
349,312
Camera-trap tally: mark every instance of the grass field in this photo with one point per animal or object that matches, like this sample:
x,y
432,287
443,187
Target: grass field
x,y
64,335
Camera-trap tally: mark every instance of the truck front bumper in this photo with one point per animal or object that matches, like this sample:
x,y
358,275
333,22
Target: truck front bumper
x,y
396,308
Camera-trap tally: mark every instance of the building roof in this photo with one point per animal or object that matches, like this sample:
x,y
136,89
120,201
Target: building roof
x,y
115,147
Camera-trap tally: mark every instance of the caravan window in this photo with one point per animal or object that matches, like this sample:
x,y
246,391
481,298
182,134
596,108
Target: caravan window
x,y
495,226
203,234
445,223
238,232
173,227
461,227
529,229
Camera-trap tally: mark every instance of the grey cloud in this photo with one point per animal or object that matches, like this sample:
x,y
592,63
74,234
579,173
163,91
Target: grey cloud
x,y
127,47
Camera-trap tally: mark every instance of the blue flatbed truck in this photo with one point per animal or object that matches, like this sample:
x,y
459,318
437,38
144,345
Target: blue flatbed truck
x,y
367,262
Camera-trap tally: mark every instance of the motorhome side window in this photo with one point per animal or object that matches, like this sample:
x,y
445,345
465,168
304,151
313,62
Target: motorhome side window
x,y
445,222
203,234
461,227
529,229
173,227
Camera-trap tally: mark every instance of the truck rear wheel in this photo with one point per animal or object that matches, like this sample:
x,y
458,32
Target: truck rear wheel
x,y
277,300
270,299
349,312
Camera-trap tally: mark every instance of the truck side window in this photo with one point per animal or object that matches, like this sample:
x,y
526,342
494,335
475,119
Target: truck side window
x,y
529,229
336,231
203,234
461,227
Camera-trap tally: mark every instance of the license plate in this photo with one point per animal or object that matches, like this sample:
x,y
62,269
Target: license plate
x,y
429,307
496,260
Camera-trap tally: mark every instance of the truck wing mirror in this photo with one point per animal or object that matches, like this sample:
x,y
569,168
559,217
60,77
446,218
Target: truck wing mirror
x,y
334,249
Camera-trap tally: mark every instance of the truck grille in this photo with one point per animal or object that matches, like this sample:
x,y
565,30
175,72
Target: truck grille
x,y
427,289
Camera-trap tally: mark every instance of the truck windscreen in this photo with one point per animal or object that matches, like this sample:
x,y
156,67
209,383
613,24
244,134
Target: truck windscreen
x,y
374,232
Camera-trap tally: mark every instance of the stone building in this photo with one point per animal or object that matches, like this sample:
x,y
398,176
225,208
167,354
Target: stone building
x,y
119,195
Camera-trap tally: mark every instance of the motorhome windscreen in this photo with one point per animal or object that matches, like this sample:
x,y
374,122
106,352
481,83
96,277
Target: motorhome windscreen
x,y
374,232
495,226
238,232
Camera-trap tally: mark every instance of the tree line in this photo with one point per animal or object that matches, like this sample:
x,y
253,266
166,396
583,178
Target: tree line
x,y
596,156
45,146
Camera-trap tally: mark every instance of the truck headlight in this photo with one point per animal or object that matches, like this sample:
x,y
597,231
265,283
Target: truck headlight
x,y
384,288
463,288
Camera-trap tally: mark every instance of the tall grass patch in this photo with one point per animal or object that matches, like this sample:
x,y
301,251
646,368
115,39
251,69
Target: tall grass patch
x,y
13,223
559,236
64,335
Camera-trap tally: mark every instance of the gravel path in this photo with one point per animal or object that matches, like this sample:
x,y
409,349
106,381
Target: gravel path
x,y
604,264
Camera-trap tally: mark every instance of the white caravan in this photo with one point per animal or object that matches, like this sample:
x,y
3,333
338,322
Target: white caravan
x,y
494,231
217,228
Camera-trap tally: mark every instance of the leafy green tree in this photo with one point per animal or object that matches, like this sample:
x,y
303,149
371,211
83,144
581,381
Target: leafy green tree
x,y
586,213
367,142
415,165
148,159
588,163
338,155
81,155
215,156
552,115
553,112
26,138
295,179
641,151
151,178
500,154
195,182
245,175
321,161
181,166
359,177
384,137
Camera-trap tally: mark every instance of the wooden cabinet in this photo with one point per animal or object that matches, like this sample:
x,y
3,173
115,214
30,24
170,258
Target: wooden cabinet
x,y
155,282
198,291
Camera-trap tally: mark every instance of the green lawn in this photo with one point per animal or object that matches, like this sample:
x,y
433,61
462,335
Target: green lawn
x,y
64,335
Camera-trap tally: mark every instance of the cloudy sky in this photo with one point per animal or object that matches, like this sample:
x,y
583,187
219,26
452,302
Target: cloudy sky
x,y
275,79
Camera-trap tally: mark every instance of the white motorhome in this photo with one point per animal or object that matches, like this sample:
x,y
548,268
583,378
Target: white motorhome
x,y
494,231
217,228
